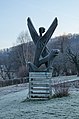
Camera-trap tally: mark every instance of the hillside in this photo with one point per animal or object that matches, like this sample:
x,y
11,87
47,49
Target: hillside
x,y
14,60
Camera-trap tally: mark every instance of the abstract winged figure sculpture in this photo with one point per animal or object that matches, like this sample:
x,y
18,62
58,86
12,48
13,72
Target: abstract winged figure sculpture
x,y
42,54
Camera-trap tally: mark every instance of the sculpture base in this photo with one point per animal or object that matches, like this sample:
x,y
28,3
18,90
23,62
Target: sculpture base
x,y
40,85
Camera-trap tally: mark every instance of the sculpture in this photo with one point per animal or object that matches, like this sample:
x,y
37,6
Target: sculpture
x,y
42,54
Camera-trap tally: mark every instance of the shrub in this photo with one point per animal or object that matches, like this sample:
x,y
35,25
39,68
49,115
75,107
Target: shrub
x,y
61,89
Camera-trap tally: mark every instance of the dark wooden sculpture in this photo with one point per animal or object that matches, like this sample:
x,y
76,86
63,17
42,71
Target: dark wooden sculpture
x,y
41,48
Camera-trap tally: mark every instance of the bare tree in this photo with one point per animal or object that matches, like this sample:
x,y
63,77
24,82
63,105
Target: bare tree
x,y
6,65
60,63
73,58
23,51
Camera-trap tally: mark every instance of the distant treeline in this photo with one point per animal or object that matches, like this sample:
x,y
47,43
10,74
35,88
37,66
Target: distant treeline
x,y
4,83
13,61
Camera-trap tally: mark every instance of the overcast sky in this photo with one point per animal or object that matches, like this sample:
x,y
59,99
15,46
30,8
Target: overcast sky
x,y
14,14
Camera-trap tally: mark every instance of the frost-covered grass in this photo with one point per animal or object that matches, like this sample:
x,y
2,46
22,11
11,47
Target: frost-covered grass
x,y
13,106
65,78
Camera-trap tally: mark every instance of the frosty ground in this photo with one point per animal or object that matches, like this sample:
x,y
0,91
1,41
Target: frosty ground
x,y
13,104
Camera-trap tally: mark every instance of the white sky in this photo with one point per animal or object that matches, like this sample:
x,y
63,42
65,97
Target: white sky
x,y
14,13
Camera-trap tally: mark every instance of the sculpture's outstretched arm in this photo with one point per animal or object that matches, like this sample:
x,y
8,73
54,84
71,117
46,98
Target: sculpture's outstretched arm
x,y
32,30
49,32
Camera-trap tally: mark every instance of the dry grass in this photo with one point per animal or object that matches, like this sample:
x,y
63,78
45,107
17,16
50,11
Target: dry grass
x,y
61,89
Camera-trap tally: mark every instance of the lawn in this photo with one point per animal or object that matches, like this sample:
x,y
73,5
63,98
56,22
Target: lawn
x,y
13,105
